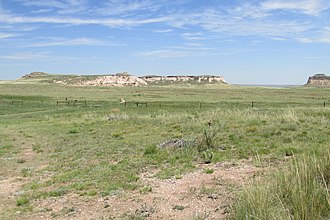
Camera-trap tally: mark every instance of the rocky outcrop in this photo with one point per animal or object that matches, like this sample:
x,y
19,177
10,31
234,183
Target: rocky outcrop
x,y
119,79
114,80
321,80
199,79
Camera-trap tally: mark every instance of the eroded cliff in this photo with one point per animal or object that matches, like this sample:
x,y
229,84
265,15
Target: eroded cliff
x,y
318,80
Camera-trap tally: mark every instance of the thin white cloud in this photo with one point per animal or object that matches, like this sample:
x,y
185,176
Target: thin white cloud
x,y
194,44
163,31
61,7
257,18
309,7
42,11
175,52
315,40
71,42
322,36
310,58
25,56
189,51
7,35
10,19
194,36
278,38
126,7
247,10
165,53
213,21
17,28
48,3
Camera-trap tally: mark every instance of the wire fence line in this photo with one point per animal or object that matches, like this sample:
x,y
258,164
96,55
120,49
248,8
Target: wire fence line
x,y
163,104
225,104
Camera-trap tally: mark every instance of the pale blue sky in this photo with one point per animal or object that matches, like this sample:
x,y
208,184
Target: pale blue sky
x,y
256,41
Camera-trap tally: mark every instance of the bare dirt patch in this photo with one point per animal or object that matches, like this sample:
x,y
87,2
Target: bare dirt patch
x,y
9,188
18,168
197,195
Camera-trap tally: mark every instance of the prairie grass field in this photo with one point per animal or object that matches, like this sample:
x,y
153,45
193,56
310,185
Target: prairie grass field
x,y
51,151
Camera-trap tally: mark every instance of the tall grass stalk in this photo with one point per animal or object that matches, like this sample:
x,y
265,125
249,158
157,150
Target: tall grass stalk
x,y
298,191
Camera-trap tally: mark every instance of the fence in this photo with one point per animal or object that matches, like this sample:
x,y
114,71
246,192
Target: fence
x,y
73,103
225,104
182,104
169,104
17,102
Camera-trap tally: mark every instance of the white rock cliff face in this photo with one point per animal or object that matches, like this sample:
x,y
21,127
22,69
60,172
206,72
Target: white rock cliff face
x,y
120,79
115,80
199,79
319,80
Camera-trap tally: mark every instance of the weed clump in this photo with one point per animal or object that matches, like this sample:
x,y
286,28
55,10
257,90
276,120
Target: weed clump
x,y
21,160
117,135
26,172
22,201
151,149
208,156
209,171
73,131
207,140
146,189
37,148
179,207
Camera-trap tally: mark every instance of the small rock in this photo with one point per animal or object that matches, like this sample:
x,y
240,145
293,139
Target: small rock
x,y
221,147
19,193
176,143
213,196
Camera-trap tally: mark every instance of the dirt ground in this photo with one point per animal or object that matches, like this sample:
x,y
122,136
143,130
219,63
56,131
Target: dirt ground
x,y
206,193
197,195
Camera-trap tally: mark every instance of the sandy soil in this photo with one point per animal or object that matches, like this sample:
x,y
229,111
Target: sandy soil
x,y
196,195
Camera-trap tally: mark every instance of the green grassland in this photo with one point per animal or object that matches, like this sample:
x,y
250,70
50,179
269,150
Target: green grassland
x,y
102,148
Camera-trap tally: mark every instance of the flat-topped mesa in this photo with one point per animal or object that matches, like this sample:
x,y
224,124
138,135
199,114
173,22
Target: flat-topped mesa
x,y
35,75
319,80
119,79
199,79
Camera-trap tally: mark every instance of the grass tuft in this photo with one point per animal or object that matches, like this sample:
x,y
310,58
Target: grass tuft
x,y
299,191
23,201
151,149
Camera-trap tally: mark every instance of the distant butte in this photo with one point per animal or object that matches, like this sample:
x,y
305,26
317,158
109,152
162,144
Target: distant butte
x,y
121,79
320,80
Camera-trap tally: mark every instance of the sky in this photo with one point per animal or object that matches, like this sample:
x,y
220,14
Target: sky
x,y
246,41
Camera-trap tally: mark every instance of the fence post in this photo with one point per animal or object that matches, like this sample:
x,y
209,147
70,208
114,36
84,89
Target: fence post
x,y
252,104
125,104
137,104
324,104
146,104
